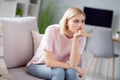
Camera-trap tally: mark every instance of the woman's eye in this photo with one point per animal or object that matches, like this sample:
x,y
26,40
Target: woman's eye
x,y
76,21
83,21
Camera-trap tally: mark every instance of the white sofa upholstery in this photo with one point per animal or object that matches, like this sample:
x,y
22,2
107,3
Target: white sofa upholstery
x,y
18,45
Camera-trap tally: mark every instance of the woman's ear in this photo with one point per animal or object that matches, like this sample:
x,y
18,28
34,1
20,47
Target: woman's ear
x,y
66,25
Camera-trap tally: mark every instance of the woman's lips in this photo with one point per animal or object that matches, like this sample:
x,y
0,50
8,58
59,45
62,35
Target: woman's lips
x,y
79,28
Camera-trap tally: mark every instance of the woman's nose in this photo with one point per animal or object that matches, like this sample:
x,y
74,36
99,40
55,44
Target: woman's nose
x,y
79,25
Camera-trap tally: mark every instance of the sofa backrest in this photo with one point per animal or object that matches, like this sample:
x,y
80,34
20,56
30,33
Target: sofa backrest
x,y
18,43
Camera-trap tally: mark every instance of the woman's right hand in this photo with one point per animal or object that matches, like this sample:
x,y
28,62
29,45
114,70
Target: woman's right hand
x,y
81,33
79,70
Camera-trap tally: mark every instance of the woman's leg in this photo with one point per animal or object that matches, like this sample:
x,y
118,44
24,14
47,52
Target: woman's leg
x,y
40,71
58,74
71,74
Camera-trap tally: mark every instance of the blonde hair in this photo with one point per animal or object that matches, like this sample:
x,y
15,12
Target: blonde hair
x,y
71,12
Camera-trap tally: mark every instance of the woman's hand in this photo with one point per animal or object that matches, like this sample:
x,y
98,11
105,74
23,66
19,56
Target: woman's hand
x,y
81,33
79,70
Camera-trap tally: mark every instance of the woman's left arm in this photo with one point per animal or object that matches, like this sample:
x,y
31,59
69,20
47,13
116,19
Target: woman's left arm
x,y
77,47
74,56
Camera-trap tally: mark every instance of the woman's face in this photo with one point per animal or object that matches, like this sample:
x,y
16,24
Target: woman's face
x,y
76,23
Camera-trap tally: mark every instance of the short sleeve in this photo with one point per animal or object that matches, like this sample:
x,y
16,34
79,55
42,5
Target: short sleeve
x,y
49,38
82,43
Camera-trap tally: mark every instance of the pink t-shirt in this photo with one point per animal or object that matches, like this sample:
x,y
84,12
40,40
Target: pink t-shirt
x,y
58,44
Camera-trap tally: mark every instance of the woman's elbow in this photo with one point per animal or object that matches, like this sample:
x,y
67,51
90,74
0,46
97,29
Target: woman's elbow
x,y
48,63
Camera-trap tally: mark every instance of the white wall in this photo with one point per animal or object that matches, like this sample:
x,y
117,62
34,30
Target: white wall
x,y
102,4
63,5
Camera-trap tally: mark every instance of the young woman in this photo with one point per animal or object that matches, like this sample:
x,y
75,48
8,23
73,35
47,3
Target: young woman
x,y
59,53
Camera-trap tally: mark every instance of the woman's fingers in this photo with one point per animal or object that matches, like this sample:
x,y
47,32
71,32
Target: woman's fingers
x,y
80,71
82,33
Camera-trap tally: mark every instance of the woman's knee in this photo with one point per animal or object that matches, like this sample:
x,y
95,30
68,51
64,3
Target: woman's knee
x,y
40,71
71,72
33,70
58,72
30,69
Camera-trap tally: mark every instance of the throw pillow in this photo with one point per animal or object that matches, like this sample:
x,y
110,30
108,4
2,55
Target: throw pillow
x,y
36,39
18,41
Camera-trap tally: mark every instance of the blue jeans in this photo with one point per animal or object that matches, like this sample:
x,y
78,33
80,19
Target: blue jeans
x,y
41,71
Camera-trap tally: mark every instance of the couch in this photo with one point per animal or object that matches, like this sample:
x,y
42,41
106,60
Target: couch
x,y
20,44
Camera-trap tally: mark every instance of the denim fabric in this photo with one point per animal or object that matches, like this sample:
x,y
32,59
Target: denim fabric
x,y
41,71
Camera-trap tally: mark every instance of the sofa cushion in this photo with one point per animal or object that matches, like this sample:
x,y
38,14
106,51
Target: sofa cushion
x,y
36,39
20,74
3,68
18,44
